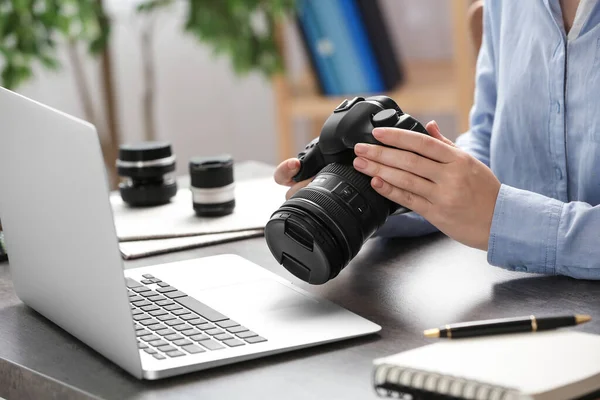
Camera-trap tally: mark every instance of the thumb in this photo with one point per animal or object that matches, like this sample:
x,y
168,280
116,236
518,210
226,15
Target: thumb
x,y
435,132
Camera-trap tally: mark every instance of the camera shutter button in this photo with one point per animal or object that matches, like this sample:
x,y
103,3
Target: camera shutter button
x,y
386,118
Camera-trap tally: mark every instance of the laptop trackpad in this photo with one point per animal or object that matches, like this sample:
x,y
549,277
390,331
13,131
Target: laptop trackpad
x,y
255,296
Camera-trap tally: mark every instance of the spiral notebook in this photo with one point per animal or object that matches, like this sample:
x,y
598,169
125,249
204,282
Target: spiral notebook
x,y
560,364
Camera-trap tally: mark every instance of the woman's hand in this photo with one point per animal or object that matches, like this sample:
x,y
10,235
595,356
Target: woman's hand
x,y
284,174
428,174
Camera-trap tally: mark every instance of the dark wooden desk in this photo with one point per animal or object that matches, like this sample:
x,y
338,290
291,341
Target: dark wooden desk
x,y
405,285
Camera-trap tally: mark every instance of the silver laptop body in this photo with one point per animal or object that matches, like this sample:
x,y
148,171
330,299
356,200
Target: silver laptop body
x,y
65,264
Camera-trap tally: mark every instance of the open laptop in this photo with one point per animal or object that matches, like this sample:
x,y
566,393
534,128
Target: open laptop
x,y
156,321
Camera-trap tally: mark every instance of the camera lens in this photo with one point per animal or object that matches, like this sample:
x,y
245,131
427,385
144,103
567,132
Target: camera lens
x,y
212,185
146,170
316,233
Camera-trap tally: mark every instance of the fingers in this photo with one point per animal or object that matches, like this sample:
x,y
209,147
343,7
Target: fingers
x,y
396,177
400,159
435,132
405,198
296,187
286,171
416,142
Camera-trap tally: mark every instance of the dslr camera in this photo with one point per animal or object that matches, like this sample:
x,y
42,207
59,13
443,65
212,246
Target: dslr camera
x,y
322,227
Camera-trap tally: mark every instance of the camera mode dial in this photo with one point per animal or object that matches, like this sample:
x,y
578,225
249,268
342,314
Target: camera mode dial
x,y
386,118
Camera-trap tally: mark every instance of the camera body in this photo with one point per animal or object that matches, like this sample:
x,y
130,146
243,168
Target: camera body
x,y
321,228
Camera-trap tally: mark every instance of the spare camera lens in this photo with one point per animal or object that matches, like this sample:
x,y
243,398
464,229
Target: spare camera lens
x,y
212,185
146,170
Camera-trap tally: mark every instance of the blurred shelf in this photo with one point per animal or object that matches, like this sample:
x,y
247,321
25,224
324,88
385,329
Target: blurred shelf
x,y
429,87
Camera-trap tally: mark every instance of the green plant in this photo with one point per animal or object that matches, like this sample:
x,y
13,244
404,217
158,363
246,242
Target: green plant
x,y
32,30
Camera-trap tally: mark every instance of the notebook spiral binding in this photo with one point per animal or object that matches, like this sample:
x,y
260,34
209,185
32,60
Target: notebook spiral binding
x,y
405,383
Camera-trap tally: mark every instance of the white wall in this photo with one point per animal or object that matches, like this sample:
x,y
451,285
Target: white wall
x,y
202,107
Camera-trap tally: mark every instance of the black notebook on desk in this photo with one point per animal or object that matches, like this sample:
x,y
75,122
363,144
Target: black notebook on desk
x,y
548,365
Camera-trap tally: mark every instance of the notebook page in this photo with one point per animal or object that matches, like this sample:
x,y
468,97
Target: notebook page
x,y
529,362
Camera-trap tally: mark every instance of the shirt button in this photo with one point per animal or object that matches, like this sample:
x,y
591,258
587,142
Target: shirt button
x,y
559,174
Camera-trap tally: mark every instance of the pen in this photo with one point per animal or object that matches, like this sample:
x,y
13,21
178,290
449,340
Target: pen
x,y
506,325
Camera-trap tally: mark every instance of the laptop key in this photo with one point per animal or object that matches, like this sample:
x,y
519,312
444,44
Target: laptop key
x,y
156,327
163,284
165,289
142,345
158,312
148,276
227,323
159,343
201,309
143,332
137,297
140,289
181,311
147,322
188,317
150,338
246,334
199,337
176,294
173,336
181,342
206,326
166,317
172,307
151,307
150,350
191,332
223,336
175,353
141,303
237,329
256,339
233,342
165,302
193,349
131,283
155,280
156,297
197,321
181,327
140,317
165,332
166,348
211,344
137,311
149,293
147,281
158,356
214,331
173,322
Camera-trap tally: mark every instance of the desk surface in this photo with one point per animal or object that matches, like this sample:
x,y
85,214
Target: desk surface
x,y
405,285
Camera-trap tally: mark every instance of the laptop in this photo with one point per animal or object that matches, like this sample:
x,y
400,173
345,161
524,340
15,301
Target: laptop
x,y
156,321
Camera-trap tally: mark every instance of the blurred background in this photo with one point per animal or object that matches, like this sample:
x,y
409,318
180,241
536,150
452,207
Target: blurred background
x,y
247,77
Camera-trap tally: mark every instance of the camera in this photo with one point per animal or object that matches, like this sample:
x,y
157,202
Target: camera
x,y
321,228
146,170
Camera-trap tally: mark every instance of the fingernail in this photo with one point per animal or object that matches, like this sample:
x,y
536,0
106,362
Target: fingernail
x,y
437,127
361,148
377,183
360,163
378,132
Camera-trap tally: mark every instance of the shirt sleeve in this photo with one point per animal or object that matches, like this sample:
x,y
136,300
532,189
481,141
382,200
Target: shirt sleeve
x,y
476,141
538,234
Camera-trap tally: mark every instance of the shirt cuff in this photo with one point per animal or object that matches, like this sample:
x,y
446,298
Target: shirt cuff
x,y
524,231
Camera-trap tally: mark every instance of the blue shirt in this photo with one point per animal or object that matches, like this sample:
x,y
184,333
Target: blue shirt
x,y
536,123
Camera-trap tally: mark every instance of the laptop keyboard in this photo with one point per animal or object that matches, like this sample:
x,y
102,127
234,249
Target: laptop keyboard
x,y
169,323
